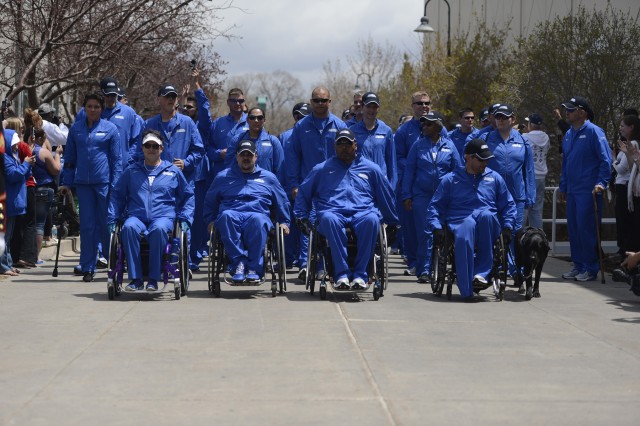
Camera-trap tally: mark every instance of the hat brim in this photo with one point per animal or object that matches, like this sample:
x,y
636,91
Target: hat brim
x,y
246,150
484,155
168,93
371,102
570,105
343,141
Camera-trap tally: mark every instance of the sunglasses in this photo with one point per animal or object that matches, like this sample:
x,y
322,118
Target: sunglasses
x,y
256,117
344,142
320,100
501,117
151,145
236,101
423,103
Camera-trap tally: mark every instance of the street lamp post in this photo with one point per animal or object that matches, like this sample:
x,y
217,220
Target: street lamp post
x,y
357,86
424,26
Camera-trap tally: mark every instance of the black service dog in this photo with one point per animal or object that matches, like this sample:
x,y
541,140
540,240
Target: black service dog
x,y
531,249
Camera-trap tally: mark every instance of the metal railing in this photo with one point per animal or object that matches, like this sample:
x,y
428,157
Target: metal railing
x,y
562,248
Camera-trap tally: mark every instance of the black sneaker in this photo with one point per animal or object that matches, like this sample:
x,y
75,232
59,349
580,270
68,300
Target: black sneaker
x,y
77,270
424,278
87,277
302,275
101,263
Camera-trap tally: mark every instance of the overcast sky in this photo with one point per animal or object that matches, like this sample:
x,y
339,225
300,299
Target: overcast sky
x,y
300,36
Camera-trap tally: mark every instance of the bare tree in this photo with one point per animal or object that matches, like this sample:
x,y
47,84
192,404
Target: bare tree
x,y
55,47
375,63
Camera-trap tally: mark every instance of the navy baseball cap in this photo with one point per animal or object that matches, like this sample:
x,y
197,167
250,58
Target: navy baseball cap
x,y
301,108
484,114
577,102
246,145
370,98
346,114
503,109
166,90
345,134
534,118
479,148
433,116
109,86
493,108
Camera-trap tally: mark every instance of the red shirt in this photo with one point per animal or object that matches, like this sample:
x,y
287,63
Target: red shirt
x,y
23,152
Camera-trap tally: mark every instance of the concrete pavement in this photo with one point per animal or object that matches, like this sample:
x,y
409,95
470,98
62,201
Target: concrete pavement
x,y
69,356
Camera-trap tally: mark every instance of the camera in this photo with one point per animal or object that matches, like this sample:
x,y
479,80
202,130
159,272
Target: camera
x,y
193,64
631,277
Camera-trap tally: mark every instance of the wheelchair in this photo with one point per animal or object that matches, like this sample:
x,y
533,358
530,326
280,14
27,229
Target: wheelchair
x,y
274,263
175,263
378,269
443,268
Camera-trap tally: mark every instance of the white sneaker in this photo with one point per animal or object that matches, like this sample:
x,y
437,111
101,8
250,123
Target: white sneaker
x,y
320,275
342,284
572,274
410,271
586,276
359,284
480,279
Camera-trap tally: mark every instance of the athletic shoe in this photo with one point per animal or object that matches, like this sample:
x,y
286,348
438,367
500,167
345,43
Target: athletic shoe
x,y
77,270
410,271
394,251
302,275
424,278
342,284
586,276
239,275
101,263
572,274
320,275
87,277
152,285
135,285
253,276
480,279
359,284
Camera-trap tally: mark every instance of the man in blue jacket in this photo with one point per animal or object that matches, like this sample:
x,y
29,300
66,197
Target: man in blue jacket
x,y
586,169
476,205
216,134
311,143
429,159
123,116
240,202
464,131
181,140
347,190
292,241
375,138
151,193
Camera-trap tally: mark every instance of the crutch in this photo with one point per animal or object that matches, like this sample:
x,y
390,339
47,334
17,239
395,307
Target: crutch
x,y
595,211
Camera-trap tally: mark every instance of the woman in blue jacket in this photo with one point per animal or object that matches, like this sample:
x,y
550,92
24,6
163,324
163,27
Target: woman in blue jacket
x,y
93,164
16,174
149,195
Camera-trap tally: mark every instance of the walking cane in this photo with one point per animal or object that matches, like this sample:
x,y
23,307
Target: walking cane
x,y
595,211
61,235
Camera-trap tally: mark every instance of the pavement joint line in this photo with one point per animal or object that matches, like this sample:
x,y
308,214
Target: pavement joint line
x,y
585,331
66,365
368,372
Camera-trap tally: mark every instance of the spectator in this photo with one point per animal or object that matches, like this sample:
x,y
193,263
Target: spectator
x,y
540,143
629,227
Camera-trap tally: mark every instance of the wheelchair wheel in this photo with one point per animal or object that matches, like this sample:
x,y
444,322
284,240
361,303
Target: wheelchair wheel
x,y
184,264
438,270
377,293
282,260
215,261
500,269
311,262
383,262
114,284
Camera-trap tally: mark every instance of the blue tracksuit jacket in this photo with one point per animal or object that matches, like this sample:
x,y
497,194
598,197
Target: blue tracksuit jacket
x,y
310,146
92,155
269,149
216,134
460,139
181,140
378,146
348,190
170,196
